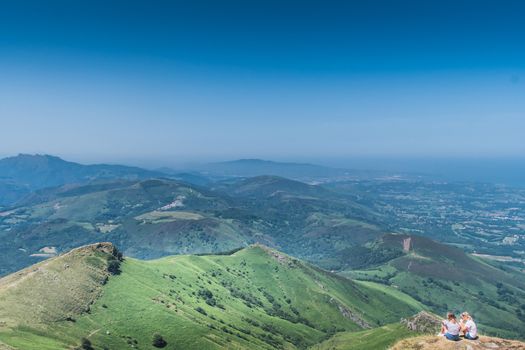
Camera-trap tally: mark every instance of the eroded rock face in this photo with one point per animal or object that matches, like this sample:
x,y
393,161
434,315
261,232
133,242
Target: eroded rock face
x,y
423,322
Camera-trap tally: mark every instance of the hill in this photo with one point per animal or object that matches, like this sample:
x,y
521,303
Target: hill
x,y
24,173
149,219
444,278
256,297
370,339
266,186
159,217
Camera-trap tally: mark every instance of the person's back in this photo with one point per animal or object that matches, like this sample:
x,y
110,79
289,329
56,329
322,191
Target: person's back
x,y
451,328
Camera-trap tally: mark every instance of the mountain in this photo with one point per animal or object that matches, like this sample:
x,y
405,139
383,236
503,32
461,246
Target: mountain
x,y
297,171
159,217
254,298
24,173
148,218
444,278
268,185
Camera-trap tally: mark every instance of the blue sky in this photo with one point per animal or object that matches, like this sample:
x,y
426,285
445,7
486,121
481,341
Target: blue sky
x,y
207,80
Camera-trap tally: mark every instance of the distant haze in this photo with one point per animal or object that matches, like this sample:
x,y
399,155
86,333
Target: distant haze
x,y
159,83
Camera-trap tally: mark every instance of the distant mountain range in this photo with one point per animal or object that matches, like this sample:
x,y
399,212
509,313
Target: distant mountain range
x,y
24,173
297,171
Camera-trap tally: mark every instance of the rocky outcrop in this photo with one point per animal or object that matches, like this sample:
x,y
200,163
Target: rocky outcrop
x,y
349,314
423,322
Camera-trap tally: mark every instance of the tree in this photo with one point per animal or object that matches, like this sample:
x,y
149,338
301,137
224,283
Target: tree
x,y
114,267
85,344
158,341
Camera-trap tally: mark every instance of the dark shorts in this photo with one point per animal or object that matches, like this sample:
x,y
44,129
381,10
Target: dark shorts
x,y
468,336
452,337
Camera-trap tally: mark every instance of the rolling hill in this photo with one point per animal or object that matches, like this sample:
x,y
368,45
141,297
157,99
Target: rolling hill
x,y
444,278
268,186
159,217
149,218
254,298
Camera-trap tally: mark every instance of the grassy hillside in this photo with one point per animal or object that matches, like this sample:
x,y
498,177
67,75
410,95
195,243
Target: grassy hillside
x,y
379,338
159,217
255,298
444,278
120,212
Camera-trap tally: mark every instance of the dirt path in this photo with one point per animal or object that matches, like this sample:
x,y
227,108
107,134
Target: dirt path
x,y
93,333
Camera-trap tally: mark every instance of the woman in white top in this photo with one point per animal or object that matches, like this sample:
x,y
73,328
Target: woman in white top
x,y
450,327
468,326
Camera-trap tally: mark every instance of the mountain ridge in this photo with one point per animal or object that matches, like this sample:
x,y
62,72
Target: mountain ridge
x,y
256,297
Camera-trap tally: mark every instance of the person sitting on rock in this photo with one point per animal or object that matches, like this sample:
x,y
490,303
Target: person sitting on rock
x,y
450,327
468,326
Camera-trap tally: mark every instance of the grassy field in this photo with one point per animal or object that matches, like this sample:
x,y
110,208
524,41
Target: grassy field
x,y
395,293
256,298
373,339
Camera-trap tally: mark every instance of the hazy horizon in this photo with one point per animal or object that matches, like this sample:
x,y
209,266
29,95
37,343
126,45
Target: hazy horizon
x,y
274,80
503,170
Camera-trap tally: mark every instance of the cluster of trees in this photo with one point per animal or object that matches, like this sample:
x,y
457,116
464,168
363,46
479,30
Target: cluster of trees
x,y
114,262
505,294
520,313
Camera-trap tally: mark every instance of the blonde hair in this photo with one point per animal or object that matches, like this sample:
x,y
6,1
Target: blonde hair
x,y
467,315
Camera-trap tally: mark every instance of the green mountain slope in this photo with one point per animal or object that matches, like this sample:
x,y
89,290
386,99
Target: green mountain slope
x,y
444,278
256,298
371,339
159,217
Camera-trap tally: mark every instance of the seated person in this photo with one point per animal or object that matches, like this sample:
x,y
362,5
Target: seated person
x,y
468,326
450,327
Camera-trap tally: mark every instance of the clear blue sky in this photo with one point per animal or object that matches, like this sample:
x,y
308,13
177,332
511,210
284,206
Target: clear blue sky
x,y
198,80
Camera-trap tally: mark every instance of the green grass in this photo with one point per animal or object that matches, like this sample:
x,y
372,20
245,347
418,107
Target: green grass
x,y
256,298
395,293
372,339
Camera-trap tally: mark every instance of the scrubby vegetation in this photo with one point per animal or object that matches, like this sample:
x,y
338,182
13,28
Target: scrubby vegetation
x,y
158,341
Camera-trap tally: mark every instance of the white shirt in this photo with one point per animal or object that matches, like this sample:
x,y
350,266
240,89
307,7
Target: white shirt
x,y
472,329
452,328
